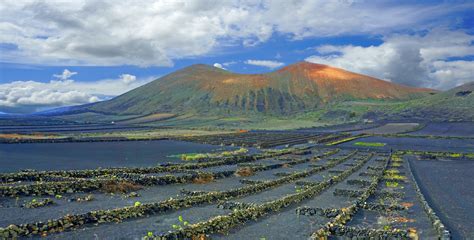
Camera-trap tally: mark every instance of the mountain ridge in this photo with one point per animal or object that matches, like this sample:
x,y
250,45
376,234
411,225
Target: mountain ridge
x,y
295,88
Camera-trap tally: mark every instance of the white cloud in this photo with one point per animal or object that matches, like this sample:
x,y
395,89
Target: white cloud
x,y
218,65
453,73
128,78
264,63
416,60
226,64
32,95
153,33
65,75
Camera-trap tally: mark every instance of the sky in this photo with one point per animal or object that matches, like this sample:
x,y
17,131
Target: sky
x,y
62,53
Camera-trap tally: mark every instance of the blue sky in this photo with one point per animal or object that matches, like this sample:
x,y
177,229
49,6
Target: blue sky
x,y
58,53
278,48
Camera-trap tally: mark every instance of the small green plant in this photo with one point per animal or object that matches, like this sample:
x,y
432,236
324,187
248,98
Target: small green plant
x,y
137,204
391,184
455,155
393,174
181,224
149,235
396,158
299,189
396,164
57,196
392,171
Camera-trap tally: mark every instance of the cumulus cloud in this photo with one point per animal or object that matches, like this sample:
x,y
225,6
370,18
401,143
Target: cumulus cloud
x,y
415,60
153,33
29,96
264,63
218,65
452,73
128,78
65,75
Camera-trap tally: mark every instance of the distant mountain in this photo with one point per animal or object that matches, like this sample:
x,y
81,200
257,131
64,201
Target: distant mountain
x,y
66,110
203,89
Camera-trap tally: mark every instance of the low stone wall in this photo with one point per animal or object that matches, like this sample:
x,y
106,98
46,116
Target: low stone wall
x,y
168,167
224,223
116,215
309,211
358,182
347,193
336,227
88,185
383,207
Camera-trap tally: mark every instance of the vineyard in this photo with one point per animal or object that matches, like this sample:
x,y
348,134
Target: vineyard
x,y
308,191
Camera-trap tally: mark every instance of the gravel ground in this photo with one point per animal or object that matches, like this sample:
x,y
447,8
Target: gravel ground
x,y
419,144
462,129
62,156
390,128
447,186
439,180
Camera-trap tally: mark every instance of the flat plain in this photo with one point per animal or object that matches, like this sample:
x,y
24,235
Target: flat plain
x,y
255,185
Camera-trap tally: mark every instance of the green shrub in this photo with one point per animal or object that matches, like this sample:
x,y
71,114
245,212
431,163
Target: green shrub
x,y
391,184
181,224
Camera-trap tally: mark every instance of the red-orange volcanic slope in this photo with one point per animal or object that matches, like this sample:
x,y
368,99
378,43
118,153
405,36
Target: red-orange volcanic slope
x,y
306,79
333,81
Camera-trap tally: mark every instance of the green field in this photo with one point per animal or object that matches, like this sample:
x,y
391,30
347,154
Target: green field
x,y
369,144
